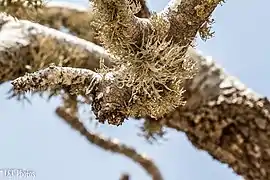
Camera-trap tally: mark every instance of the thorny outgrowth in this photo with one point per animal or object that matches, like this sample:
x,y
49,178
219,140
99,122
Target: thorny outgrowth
x,y
153,67
110,145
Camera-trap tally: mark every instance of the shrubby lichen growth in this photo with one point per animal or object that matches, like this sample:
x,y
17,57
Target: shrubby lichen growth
x,y
153,67
205,30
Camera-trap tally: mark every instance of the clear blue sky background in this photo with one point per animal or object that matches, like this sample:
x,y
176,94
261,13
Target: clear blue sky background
x,y
32,137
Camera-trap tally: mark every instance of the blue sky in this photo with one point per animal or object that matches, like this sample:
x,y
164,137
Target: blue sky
x,y
32,137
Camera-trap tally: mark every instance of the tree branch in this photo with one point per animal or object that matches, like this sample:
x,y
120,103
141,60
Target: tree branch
x,y
28,47
186,18
226,119
144,11
57,15
117,25
125,177
110,145
221,118
76,19
77,81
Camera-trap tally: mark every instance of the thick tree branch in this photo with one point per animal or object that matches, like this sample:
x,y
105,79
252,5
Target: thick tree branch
x,y
227,119
28,47
57,15
186,18
78,20
75,18
110,145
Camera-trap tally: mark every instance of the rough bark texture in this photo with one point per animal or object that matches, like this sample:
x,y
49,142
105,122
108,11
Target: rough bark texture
x,y
187,17
221,116
28,47
228,120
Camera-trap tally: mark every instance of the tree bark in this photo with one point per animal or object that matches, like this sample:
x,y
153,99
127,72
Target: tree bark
x,y
226,119
221,116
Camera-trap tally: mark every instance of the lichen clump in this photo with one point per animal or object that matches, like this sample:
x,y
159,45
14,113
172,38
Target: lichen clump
x,y
153,67
25,9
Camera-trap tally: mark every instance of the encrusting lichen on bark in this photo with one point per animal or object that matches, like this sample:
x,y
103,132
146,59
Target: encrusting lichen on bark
x,y
221,117
73,80
164,64
188,17
28,47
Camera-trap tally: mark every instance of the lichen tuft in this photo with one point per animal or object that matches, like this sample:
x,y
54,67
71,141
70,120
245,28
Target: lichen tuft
x,y
154,67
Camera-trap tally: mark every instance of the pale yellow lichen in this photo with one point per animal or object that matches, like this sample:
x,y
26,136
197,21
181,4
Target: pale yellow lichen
x,y
153,67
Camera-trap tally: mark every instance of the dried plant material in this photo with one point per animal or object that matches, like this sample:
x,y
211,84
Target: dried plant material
x,y
77,81
205,30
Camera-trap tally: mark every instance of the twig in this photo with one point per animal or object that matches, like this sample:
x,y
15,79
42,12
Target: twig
x,y
124,177
53,78
110,145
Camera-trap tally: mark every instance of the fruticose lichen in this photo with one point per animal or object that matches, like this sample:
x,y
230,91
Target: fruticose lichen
x,y
153,67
